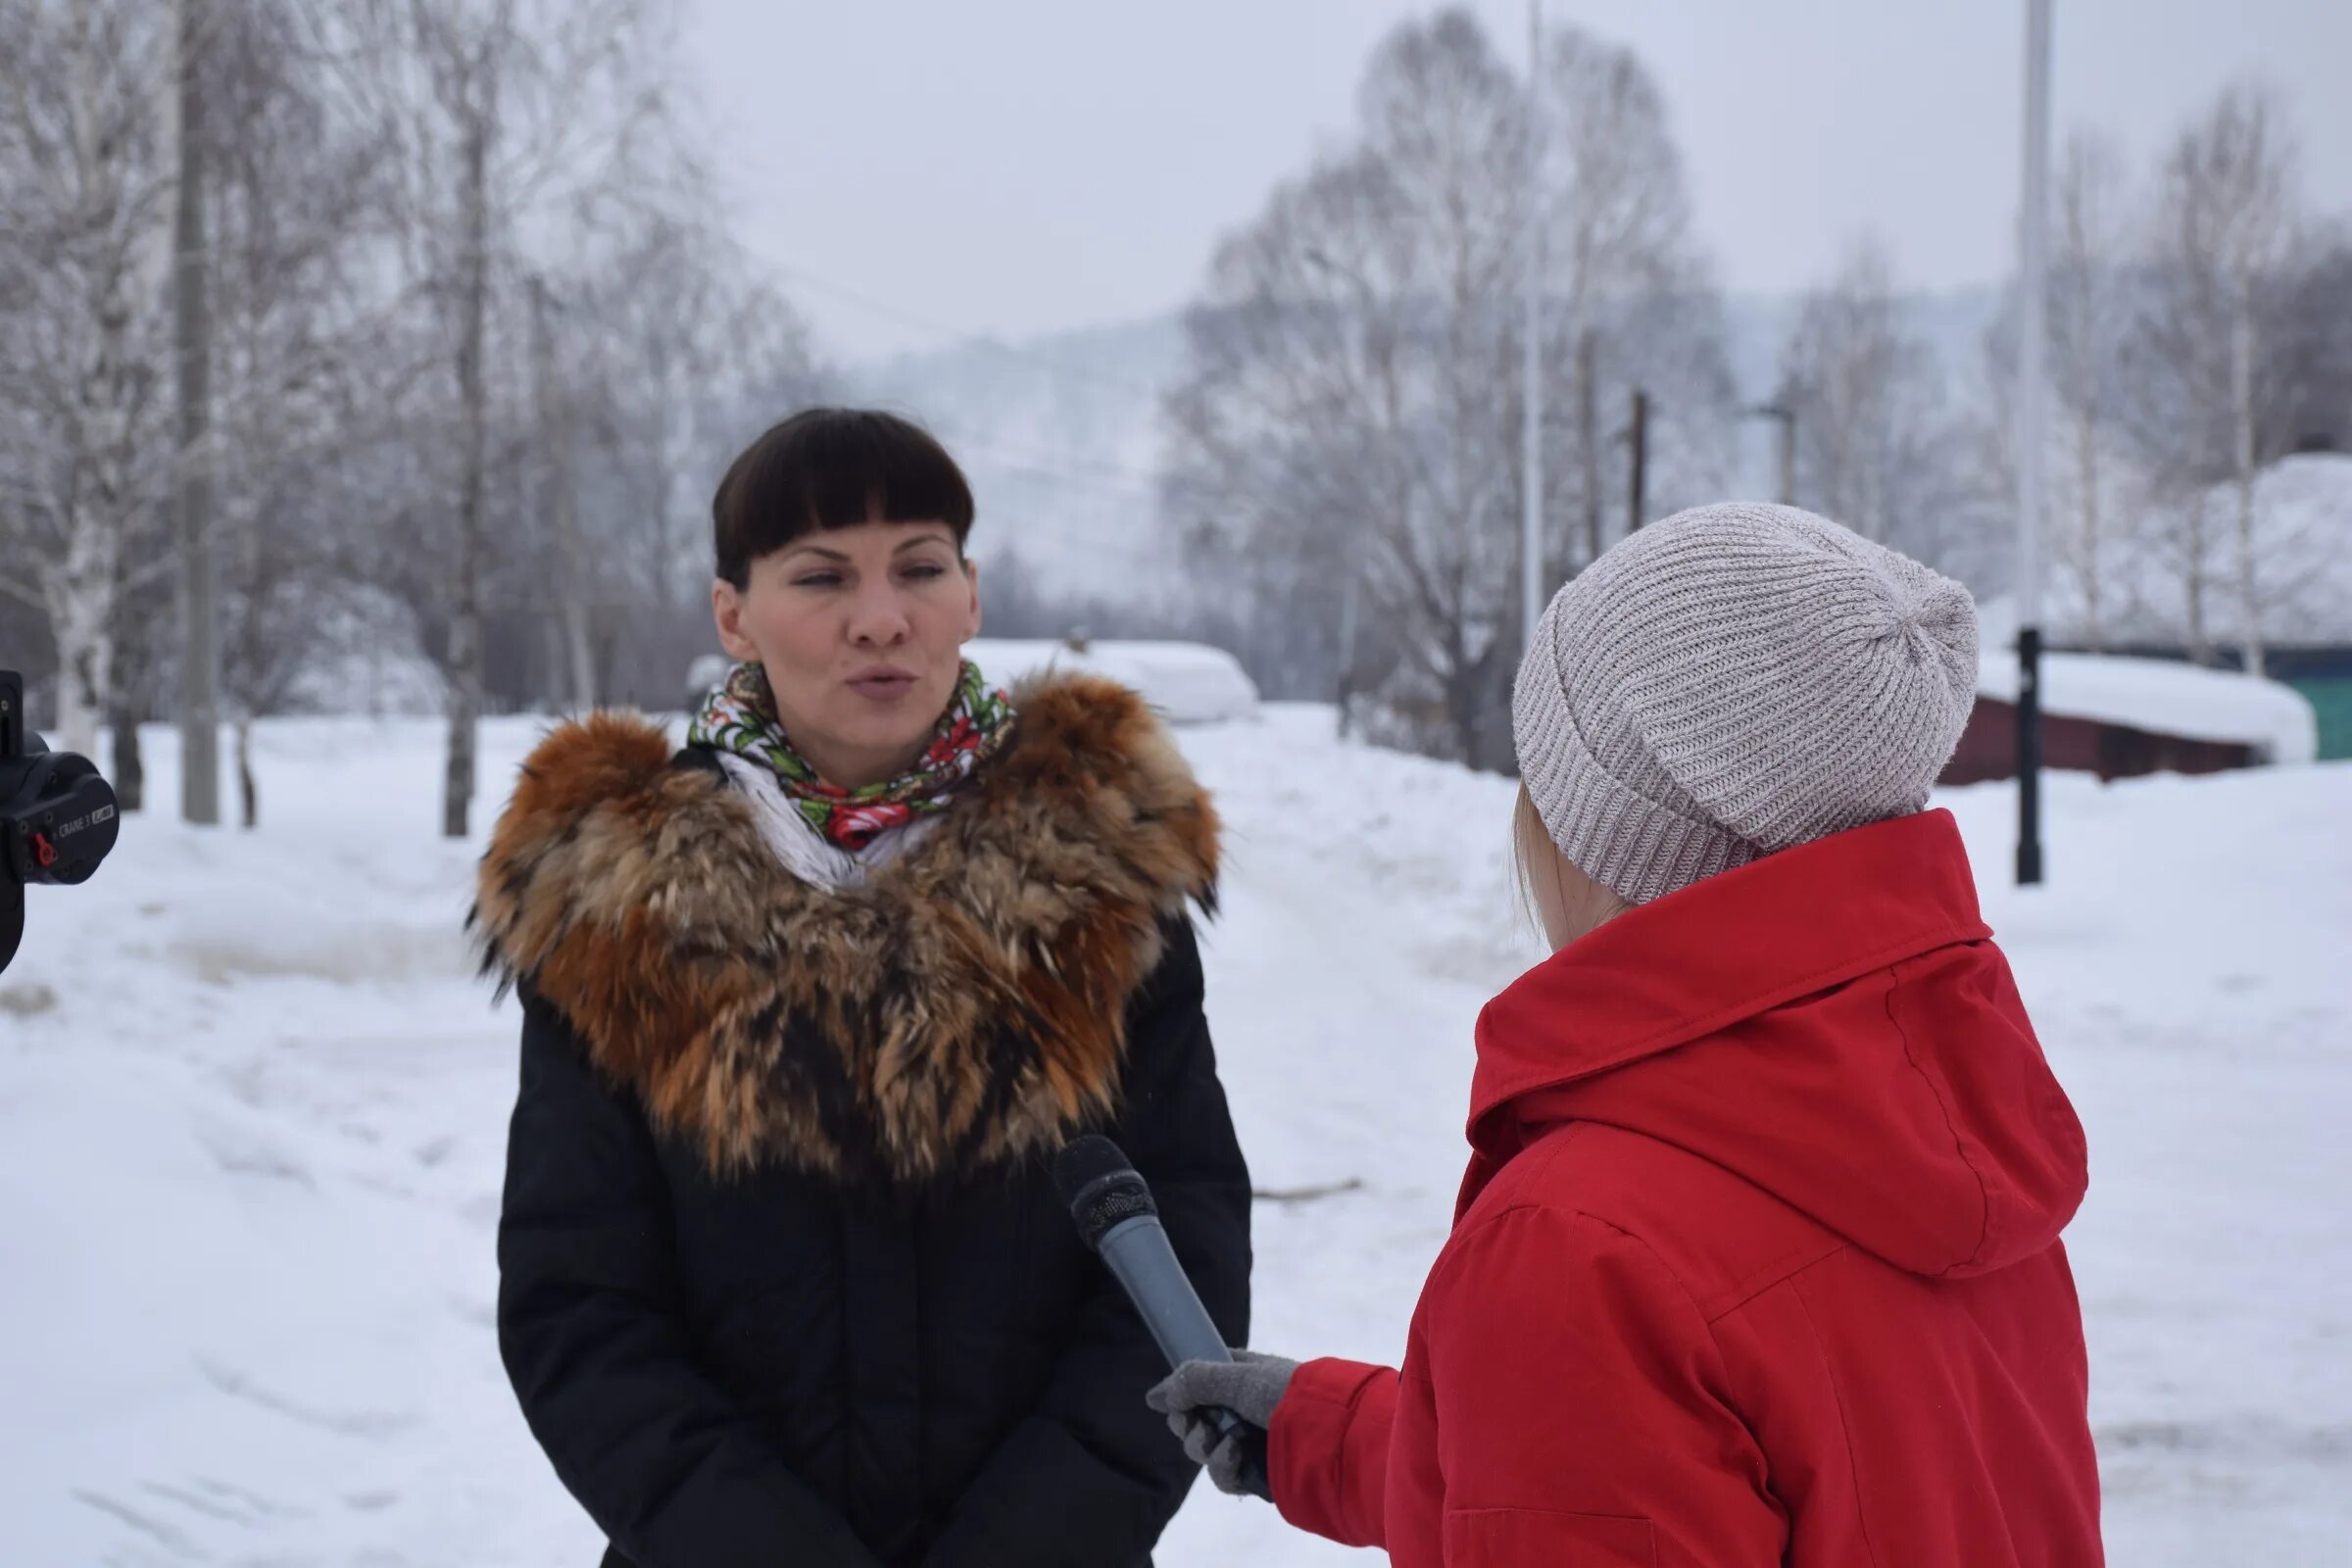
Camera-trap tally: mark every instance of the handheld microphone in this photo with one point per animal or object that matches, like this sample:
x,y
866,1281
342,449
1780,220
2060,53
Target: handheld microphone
x,y
1120,1224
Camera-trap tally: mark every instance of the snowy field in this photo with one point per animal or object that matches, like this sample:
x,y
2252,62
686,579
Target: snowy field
x,y
252,1108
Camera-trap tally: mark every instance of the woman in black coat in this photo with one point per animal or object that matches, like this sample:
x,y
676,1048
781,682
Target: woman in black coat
x,y
809,1007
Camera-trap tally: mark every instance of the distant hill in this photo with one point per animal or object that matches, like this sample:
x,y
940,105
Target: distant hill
x,y
1062,436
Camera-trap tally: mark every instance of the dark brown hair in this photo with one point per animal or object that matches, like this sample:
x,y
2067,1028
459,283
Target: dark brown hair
x,y
833,468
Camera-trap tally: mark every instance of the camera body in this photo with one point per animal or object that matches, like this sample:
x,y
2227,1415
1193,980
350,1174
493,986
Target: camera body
x,y
58,818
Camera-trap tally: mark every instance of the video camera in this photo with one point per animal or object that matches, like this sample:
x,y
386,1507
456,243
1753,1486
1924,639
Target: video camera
x,y
57,815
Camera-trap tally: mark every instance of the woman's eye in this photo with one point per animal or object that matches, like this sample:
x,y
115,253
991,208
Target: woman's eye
x,y
925,572
818,579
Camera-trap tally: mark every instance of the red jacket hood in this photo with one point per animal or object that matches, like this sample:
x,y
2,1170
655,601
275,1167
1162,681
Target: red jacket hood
x,y
1832,1024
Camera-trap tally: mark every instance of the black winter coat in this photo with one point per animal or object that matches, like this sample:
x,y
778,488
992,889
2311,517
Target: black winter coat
x,y
783,1276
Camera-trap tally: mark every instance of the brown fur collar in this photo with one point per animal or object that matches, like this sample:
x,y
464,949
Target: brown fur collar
x,y
968,1006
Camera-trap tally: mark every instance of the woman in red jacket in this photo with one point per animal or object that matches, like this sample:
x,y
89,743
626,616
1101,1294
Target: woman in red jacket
x,y
1756,1260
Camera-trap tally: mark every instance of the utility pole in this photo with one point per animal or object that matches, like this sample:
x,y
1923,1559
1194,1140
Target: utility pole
x,y
192,499
1531,398
1781,410
1637,502
2034,290
1788,415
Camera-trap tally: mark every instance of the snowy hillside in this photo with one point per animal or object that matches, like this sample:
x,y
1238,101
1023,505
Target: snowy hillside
x,y
1063,439
252,1110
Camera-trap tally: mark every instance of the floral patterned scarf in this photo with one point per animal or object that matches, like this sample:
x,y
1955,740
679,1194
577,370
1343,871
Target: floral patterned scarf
x,y
740,715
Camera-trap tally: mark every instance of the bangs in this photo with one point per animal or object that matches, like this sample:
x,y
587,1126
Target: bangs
x,y
834,468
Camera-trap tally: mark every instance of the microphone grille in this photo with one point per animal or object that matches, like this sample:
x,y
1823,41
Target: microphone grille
x,y
1100,1186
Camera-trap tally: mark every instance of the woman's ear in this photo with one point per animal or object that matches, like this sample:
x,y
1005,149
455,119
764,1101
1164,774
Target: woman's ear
x,y
971,574
727,613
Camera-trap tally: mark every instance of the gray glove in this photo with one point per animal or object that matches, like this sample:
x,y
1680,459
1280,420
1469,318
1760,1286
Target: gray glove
x,y
1251,1386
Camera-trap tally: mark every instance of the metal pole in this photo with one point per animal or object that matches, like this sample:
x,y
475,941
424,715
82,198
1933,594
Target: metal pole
x,y
1530,430
1638,503
2033,292
1783,413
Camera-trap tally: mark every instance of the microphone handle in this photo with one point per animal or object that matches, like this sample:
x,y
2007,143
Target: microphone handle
x,y
1253,1439
1138,1253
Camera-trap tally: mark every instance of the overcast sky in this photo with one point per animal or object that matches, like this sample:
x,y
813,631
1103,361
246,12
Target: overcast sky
x,y
1015,167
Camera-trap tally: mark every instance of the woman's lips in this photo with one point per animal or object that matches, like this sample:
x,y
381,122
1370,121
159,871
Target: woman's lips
x,y
882,688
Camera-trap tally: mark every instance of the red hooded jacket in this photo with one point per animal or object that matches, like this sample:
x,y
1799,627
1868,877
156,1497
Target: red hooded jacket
x,y
1758,1258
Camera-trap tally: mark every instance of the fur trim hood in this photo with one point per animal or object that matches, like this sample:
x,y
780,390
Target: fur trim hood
x,y
964,1008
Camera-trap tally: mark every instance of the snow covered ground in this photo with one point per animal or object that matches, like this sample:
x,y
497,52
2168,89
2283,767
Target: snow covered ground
x,y
252,1109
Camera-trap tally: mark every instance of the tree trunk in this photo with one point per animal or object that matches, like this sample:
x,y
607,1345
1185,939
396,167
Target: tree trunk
x,y
572,561
130,763
1461,707
200,652
82,588
2086,455
2242,378
82,621
663,579
2201,639
465,619
249,794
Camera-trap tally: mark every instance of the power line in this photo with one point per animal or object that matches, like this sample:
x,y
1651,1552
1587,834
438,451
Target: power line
x,y
1067,466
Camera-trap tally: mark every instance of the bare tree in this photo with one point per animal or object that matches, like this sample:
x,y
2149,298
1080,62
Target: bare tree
x,y
1879,445
681,352
323,217
1346,437
1641,311
2225,234
1353,371
2089,316
495,110
84,251
2099,494
557,468
655,352
169,186
307,355
2310,334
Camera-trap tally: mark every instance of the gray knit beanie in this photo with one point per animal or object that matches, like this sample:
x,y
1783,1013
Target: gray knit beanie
x,y
1734,681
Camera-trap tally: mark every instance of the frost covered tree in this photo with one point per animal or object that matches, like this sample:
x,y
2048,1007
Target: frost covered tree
x,y
496,113
84,255
1880,445
2089,316
2225,234
1346,437
673,353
